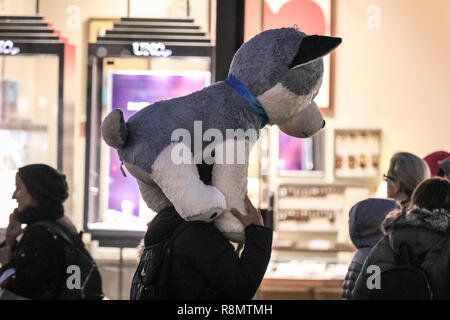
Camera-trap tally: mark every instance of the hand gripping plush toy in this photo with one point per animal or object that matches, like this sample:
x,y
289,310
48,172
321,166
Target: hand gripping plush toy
x,y
273,79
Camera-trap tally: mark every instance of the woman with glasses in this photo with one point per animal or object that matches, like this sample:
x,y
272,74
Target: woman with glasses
x,y
405,172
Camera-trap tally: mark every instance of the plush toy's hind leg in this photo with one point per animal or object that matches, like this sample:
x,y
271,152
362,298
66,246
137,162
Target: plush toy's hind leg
x,y
181,183
230,177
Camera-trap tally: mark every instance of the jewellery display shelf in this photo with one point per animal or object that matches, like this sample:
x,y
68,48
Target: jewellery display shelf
x,y
357,154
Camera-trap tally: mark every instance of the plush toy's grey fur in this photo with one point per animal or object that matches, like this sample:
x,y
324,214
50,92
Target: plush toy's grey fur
x,y
282,74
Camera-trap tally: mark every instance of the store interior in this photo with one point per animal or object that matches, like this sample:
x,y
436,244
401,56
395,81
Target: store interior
x,y
385,90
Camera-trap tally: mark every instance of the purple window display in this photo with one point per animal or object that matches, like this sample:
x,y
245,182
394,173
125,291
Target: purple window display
x,y
134,91
294,154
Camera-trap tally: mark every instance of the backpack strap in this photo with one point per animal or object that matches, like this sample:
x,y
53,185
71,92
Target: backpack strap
x,y
168,256
408,259
138,284
57,229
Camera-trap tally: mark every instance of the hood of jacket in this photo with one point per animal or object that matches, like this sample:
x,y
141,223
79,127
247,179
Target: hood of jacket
x,y
365,220
420,228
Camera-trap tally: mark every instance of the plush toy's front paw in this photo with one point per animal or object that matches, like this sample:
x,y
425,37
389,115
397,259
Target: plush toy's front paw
x,y
207,216
231,227
208,206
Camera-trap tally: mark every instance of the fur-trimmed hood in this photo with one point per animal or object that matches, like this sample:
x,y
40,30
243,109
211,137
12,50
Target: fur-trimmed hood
x,y
420,228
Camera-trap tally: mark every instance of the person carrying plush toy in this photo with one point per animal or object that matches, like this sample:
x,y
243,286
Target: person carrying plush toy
x,y
273,80
202,263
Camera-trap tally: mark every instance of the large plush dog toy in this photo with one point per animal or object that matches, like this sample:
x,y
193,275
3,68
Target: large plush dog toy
x,y
273,79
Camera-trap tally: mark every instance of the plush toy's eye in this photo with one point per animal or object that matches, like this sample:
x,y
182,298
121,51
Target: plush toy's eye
x,y
213,215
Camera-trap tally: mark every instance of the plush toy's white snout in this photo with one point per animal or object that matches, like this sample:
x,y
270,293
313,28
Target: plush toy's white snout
x,y
305,123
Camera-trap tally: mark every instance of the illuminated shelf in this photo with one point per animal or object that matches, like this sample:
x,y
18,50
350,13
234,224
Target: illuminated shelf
x,y
297,228
305,249
23,126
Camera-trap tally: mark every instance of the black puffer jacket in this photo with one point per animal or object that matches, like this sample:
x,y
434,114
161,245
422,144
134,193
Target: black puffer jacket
x,y
427,234
365,219
39,264
204,264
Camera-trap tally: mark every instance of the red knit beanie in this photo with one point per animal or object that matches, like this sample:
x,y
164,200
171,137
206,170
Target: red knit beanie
x,y
432,161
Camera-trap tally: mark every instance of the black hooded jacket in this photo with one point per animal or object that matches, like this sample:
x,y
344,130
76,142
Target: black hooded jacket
x,y
365,220
427,233
204,264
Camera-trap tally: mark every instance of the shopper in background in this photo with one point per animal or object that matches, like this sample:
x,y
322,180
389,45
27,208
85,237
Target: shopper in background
x,y
405,172
36,263
424,229
365,219
433,160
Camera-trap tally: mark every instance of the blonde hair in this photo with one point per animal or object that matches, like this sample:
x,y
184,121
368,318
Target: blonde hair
x,y
409,170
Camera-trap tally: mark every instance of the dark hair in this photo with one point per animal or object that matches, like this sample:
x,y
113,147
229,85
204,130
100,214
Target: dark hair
x,y
432,194
44,183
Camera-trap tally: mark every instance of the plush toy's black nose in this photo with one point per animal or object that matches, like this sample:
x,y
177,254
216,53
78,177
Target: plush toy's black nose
x,y
323,124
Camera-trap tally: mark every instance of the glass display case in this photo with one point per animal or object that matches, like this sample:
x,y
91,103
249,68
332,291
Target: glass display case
x,y
35,64
357,154
300,156
137,63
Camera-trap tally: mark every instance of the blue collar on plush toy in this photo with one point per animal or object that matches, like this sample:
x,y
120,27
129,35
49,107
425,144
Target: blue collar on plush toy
x,y
234,83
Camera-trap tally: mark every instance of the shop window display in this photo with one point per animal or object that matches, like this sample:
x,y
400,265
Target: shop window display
x,y
308,255
35,67
300,156
28,125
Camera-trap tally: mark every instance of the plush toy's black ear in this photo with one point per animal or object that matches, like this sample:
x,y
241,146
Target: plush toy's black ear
x,y
313,48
